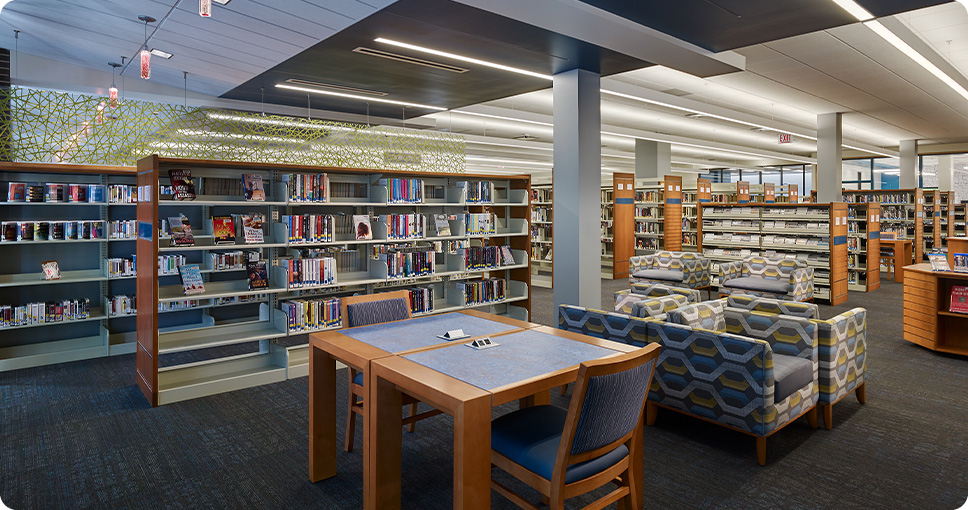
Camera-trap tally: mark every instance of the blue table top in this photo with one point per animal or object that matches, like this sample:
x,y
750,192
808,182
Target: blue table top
x,y
422,331
519,356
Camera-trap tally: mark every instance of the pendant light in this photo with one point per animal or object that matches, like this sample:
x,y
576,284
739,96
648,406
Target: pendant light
x,y
145,54
113,91
205,8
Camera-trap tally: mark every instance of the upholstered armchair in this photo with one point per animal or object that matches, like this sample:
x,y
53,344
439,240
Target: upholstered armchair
x,y
749,371
787,279
639,291
842,351
674,268
619,327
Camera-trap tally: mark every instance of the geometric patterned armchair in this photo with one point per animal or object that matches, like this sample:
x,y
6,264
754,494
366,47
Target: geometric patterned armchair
x,y
646,306
749,371
639,291
618,327
842,348
787,279
675,268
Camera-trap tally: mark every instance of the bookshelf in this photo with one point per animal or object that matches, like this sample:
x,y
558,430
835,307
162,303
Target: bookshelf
x,y
730,192
946,202
959,214
788,194
608,232
623,210
663,218
250,338
814,233
863,247
763,193
931,231
902,212
542,235
81,233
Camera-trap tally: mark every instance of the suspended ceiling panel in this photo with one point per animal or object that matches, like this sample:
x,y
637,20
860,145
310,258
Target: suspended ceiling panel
x,y
241,40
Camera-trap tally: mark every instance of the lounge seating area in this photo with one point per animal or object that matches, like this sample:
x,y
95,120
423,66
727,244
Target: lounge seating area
x,y
787,279
673,268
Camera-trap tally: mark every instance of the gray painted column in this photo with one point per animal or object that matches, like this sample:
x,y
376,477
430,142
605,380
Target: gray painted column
x,y
577,178
946,173
653,160
909,164
829,178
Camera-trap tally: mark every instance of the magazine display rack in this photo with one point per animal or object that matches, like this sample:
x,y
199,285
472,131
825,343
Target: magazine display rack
x,y
252,337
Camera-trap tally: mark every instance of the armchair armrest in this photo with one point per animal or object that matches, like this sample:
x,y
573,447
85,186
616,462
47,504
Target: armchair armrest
x,y
729,271
658,290
786,334
843,353
601,324
641,263
657,307
802,282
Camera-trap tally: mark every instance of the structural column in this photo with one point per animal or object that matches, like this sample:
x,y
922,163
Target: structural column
x,y
946,173
653,160
909,164
829,179
577,181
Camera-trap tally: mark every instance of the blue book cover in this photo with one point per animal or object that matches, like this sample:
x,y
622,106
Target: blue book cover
x,y
191,277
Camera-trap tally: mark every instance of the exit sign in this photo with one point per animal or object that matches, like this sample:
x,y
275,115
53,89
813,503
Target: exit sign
x,y
786,138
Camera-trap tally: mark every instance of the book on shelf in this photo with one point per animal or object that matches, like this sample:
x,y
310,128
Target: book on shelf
x,y
939,262
252,228
959,299
253,187
181,231
51,270
506,256
35,193
442,224
77,192
960,262
223,230
548,256
17,192
183,188
191,278
257,274
361,226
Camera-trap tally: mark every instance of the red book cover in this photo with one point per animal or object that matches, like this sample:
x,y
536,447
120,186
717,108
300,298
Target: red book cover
x,y
959,299
182,184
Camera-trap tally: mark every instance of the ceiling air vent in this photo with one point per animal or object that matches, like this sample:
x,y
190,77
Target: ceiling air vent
x,y
410,60
526,137
334,88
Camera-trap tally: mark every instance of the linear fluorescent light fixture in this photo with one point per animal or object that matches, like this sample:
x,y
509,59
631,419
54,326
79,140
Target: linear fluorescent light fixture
x,y
896,41
358,98
503,118
855,9
159,53
276,122
509,145
462,58
483,159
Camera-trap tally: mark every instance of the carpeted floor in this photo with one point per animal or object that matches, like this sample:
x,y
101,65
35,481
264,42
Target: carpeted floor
x,y
79,435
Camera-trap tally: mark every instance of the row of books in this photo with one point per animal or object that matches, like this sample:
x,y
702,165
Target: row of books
x,y
710,237
541,195
52,230
231,259
184,304
884,198
183,186
406,264
450,246
310,272
406,226
56,193
244,298
540,233
647,243
123,229
813,242
225,229
649,196
821,227
312,314
308,188
44,312
482,292
487,257
310,228
403,191
648,228
540,214
689,238
121,305
735,224
539,252
168,264
477,192
421,300
649,212
480,223
121,267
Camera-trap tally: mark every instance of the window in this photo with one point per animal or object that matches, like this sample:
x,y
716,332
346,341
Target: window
x,y
888,172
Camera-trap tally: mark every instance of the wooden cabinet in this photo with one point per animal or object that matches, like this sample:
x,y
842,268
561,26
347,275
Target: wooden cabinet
x,y
927,301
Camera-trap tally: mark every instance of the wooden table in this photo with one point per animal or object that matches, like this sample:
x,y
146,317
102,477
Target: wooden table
x,y
903,255
456,379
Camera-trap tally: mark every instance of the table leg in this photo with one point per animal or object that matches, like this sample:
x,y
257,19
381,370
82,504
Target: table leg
x,y
322,415
538,399
383,444
472,454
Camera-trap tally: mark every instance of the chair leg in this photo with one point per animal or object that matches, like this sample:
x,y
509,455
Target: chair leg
x,y
350,425
651,413
812,417
413,412
761,450
828,415
861,393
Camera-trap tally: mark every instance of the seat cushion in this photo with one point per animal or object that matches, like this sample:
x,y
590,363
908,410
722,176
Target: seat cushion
x,y
358,379
531,437
665,275
790,373
761,284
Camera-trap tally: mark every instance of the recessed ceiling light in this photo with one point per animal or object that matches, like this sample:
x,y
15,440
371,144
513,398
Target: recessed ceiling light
x,y
159,53
358,98
462,58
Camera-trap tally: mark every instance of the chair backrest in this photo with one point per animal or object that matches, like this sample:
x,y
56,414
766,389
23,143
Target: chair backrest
x,y
658,306
375,308
670,260
771,269
606,406
708,315
773,306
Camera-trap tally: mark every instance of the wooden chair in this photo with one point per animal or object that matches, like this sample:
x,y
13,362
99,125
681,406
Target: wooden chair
x,y
888,257
392,310
563,454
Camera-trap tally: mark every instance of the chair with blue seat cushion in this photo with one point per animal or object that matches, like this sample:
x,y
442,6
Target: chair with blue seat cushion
x,y
787,279
367,310
563,454
673,268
